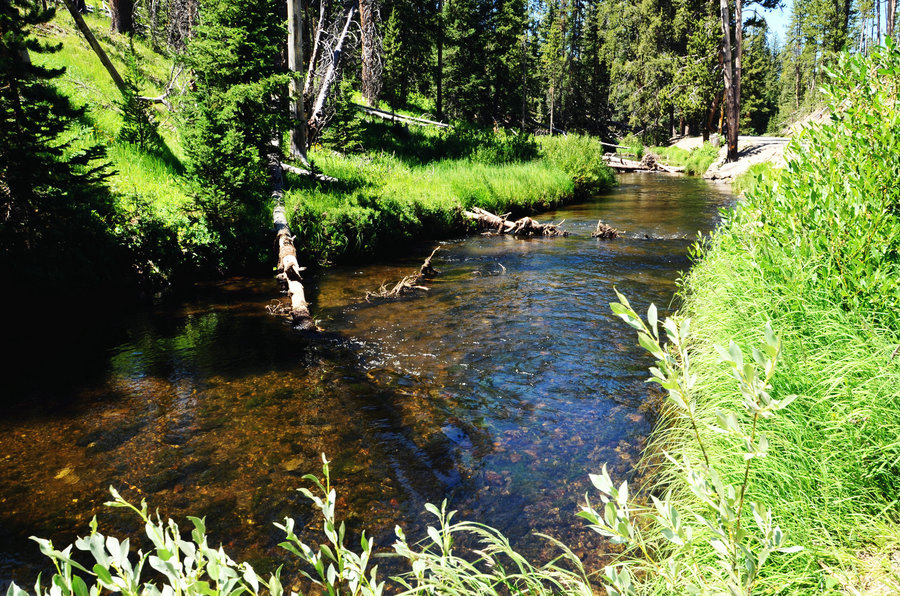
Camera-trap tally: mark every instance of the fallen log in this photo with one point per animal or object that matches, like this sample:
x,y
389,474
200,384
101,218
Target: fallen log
x,y
649,163
307,173
521,227
604,231
399,117
288,269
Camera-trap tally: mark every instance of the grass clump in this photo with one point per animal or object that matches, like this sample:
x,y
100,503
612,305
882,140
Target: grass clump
x,y
700,158
581,157
814,250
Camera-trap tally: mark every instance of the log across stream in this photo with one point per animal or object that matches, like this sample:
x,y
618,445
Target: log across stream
x,y
498,389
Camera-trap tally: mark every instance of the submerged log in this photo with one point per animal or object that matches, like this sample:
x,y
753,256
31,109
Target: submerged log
x,y
521,227
604,231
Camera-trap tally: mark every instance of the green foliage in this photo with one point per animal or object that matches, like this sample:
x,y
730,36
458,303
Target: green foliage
x,y
138,125
344,131
838,207
382,202
234,112
740,552
52,205
582,158
786,255
700,159
753,179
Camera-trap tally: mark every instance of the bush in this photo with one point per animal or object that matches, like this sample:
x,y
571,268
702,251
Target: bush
x,y
837,205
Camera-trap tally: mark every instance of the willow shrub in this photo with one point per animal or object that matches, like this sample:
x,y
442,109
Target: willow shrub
x,y
836,208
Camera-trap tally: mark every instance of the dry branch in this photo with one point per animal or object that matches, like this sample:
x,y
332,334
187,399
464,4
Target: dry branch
x,y
408,283
521,227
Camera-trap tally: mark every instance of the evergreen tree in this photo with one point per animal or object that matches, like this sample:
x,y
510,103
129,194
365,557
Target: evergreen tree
x,y
49,197
759,101
237,108
394,76
468,89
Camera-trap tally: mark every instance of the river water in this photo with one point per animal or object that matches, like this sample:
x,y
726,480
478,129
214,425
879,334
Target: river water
x,y
500,389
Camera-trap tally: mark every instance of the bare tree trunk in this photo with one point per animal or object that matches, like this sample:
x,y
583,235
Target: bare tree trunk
x,y
439,75
92,41
316,119
891,18
524,78
314,57
878,20
371,75
731,105
295,64
122,15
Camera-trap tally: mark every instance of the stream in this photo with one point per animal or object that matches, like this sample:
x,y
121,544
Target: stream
x,y
500,389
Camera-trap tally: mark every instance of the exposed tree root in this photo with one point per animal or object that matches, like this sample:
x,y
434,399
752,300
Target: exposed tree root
x,y
605,232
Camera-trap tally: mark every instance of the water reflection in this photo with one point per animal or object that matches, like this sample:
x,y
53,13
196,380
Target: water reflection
x,y
500,389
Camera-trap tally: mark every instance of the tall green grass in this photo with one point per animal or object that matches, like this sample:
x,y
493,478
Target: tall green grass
x,y
813,249
384,201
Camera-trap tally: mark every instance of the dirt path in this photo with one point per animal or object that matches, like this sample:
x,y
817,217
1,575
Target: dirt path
x,y
751,150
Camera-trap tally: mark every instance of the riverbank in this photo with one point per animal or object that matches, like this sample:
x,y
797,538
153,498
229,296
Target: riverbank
x,y
814,250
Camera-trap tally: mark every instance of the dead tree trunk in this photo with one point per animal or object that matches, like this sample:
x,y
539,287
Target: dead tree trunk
x,y
92,41
295,64
314,57
122,16
371,73
317,117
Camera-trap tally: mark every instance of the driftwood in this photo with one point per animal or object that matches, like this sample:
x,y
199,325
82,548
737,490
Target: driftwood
x,y
409,283
521,227
288,269
650,163
604,231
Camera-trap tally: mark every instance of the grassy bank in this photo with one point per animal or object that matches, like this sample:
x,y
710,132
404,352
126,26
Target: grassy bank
x,y
814,250
414,184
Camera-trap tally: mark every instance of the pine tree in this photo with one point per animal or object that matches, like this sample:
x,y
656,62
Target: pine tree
x,y
394,76
237,108
49,196
468,87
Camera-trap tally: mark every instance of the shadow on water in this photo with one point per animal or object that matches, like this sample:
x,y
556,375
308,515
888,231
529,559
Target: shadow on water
x,y
500,389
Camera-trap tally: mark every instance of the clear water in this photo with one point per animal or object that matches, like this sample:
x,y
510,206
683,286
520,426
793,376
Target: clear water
x,y
500,389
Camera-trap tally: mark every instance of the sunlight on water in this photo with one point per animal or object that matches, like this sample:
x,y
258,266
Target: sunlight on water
x,y
499,389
